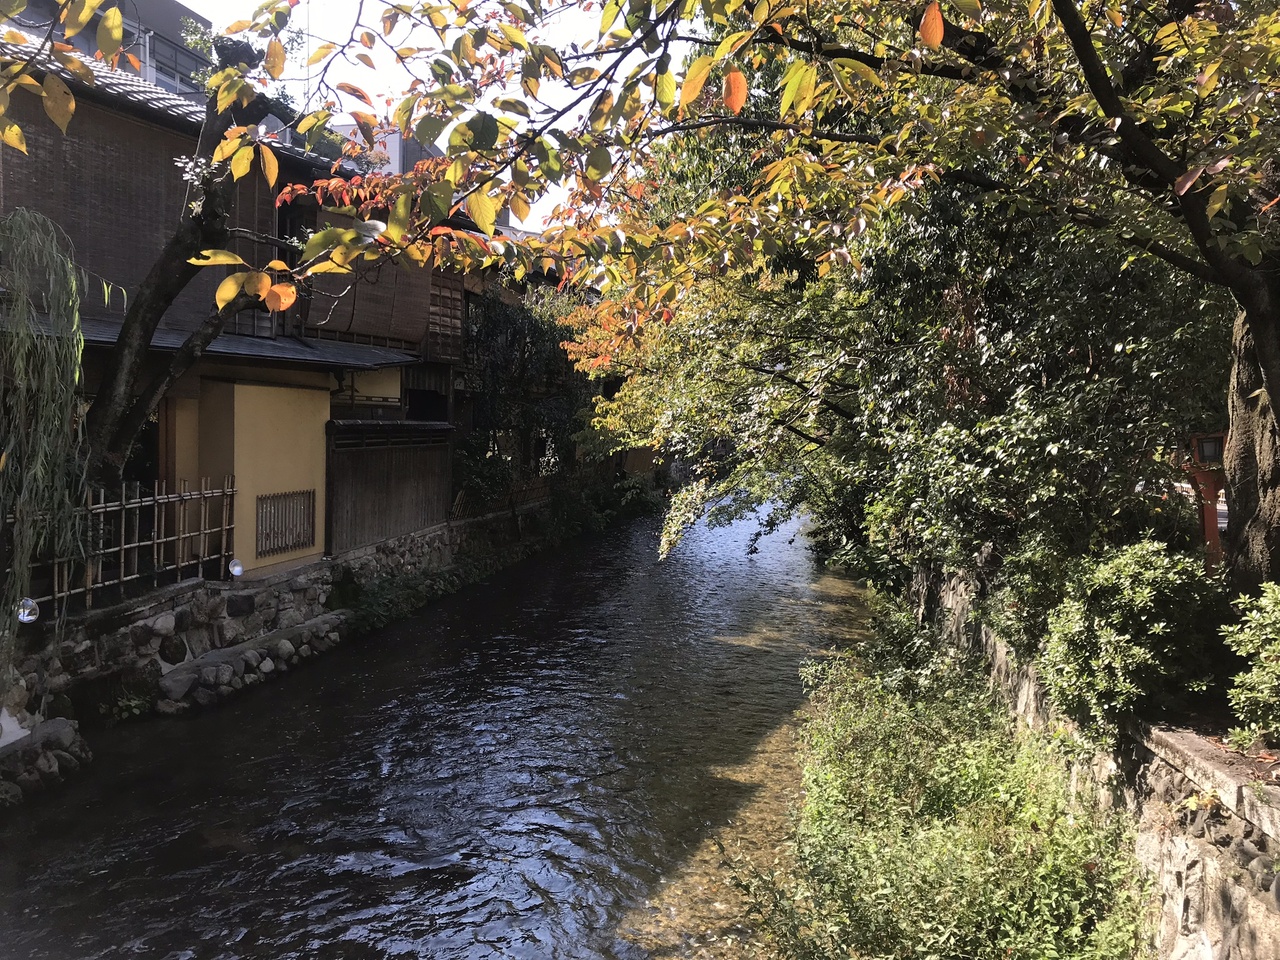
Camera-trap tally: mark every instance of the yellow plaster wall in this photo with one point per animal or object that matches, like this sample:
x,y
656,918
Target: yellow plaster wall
x,y
216,435
185,423
279,443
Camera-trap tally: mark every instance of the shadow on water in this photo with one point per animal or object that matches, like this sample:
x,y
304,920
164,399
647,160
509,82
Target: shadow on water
x,y
504,775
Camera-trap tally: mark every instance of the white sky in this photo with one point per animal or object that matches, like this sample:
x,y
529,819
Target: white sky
x,y
332,20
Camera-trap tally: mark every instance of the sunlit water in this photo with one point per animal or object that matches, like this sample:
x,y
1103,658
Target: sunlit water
x,y
510,774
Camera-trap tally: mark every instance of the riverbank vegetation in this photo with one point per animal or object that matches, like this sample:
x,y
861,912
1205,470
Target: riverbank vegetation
x,y
933,827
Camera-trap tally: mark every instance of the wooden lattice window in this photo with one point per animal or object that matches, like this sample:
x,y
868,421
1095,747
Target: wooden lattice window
x,y
286,522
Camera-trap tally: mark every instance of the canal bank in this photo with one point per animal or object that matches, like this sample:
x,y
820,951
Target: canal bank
x,y
514,772
199,643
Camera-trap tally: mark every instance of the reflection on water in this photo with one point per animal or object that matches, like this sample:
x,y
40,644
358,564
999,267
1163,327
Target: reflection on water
x,y
509,774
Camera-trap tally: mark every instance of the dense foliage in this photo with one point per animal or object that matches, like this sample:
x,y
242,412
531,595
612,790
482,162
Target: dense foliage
x,y
1138,630
954,402
932,829
1255,695
527,402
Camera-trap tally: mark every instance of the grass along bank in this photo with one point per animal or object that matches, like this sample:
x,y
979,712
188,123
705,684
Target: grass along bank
x,y
933,828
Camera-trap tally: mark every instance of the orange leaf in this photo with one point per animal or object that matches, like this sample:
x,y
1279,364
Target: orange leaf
x,y
281,297
735,90
354,91
932,26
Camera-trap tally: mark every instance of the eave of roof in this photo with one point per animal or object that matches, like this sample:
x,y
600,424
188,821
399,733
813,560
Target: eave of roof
x,y
331,354
129,93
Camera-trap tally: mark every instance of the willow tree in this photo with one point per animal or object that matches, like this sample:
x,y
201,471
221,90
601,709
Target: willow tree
x,y
41,468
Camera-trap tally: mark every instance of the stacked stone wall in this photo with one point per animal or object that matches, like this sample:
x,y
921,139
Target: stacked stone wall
x,y
196,643
1208,824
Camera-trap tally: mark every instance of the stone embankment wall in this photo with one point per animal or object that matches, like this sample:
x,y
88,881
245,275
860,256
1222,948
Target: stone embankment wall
x,y
1208,825
196,643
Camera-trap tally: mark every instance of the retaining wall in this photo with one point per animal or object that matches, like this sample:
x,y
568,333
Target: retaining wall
x,y
1208,829
197,643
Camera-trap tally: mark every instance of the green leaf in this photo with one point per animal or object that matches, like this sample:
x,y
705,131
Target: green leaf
x,y
437,201
599,162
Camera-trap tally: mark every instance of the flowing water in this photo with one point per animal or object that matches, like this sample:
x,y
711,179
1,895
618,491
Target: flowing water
x,y
535,767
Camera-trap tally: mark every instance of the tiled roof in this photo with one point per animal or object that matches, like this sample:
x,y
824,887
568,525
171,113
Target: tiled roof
x,y
325,353
120,84
130,90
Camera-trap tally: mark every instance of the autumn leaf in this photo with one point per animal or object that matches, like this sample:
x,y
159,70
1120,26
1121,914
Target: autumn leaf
x,y
216,258
353,90
735,90
481,209
59,104
270,165
274,62
281,297
241,162
229,289
932,26
110,33
694,79
77,16
257,284
11,134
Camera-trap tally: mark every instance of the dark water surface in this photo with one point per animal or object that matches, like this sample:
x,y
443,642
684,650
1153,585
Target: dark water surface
x,y
505,775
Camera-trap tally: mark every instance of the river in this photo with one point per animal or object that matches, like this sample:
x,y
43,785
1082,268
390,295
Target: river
x,y
541,766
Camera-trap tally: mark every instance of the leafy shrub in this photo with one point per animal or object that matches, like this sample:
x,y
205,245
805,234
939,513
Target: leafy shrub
x,y
1138,628
1255,695
930,829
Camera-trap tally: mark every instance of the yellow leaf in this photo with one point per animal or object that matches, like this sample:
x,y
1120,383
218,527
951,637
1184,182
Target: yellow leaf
x,y
1217,200
240,26
10,9
320,53
270,165
226,148
970,8
110,33
59,104
519,206
482,210
256,284
735,90
11,134
229,289
216,258
241,162
277,265
694,79
932,26
281,297
861,69
1116,17
274,62
77,16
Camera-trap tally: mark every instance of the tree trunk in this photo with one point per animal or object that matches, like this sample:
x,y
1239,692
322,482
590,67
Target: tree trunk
x,y
113,422
1251,457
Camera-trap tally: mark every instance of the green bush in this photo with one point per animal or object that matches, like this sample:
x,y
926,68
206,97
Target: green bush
x,y
1138,629
1255,695
931,829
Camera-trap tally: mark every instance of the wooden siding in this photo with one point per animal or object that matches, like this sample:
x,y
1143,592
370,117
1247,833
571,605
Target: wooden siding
x,y
385,486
